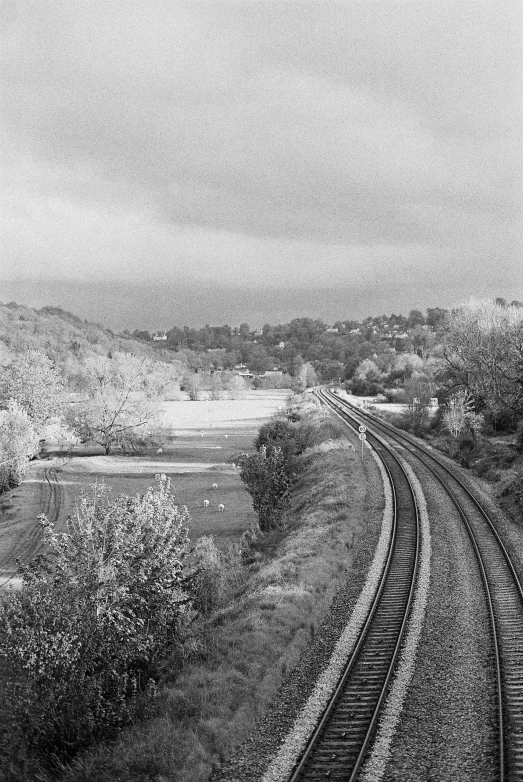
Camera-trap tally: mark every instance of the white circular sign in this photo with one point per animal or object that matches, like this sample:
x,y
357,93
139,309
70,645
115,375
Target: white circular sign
x,y
362,428
362,436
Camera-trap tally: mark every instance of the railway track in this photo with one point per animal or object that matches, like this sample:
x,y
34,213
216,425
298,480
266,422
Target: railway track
x,y
502,586
339,745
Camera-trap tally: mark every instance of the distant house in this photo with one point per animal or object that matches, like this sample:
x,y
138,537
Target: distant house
x,y
159,336
332,330
273,372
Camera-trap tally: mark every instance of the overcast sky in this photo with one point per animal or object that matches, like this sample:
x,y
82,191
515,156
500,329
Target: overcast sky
x,y
190,162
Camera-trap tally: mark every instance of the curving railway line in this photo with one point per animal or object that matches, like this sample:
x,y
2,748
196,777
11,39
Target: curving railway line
x,y
340,743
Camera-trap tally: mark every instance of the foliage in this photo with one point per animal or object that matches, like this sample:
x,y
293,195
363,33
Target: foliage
x,y
18,443
305,378
31,379
279,432
269,475
124,395
459,415
193,385
217,574
93,619
484,351
236,387
217,389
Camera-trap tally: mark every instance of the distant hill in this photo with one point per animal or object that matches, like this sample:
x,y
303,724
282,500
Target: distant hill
x,y
63,337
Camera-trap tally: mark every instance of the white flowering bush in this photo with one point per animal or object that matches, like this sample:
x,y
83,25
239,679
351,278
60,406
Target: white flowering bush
x,y
459,415
18,443
94,618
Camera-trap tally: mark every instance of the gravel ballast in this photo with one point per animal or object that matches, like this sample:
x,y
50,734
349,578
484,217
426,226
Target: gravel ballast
x,y
441,727
446,731
252,759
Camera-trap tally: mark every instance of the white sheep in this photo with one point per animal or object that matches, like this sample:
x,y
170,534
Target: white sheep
x,y
215,486
206,504
221,507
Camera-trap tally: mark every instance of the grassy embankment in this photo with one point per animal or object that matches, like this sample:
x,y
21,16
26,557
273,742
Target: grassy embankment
x,y
222,682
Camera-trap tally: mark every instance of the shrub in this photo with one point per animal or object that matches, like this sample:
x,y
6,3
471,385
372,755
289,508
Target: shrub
x,y
93,620
218,574
511,492
279,433
18,443
268,475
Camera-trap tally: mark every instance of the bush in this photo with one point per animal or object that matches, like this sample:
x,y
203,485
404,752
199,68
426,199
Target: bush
x,y
269,475
218,574
18,443
511,493
93,620
279,433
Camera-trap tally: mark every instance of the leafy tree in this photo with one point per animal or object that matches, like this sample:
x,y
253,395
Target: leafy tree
x,y
124,396
305,378
93,620
33,382
368,370
268,475
193,385
236,387
418,392
415,319
436,317
216,386
18,443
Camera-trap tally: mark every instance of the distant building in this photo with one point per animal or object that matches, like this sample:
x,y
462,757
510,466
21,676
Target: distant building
x,y
159,336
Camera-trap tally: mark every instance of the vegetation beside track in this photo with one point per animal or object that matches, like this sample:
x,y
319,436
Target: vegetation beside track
x,y
266,607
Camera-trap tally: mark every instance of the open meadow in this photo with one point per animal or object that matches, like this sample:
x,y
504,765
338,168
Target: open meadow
x,y
203,441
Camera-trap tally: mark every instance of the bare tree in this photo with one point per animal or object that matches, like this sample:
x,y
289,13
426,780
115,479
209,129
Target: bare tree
x,y
484,351
124,399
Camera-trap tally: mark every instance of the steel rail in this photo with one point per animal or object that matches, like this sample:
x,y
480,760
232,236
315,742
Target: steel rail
x,y
494,616
369,650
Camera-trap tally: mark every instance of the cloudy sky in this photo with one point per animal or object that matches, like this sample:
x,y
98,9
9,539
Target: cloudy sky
x,y
187,162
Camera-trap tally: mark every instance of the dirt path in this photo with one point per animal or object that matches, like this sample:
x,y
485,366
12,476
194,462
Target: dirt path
x,y
20,532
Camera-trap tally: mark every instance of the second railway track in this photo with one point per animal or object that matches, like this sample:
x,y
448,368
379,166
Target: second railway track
x,y
503,591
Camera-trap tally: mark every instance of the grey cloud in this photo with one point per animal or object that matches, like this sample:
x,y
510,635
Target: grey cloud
x,y
350,125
